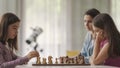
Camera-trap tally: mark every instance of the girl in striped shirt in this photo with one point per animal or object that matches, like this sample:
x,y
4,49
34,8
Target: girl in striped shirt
x,y
8,42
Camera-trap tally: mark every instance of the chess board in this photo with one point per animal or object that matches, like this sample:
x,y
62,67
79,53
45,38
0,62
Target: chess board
x,y
63,61
60,64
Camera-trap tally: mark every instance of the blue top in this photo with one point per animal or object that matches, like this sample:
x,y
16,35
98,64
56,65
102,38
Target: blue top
x,y
87,49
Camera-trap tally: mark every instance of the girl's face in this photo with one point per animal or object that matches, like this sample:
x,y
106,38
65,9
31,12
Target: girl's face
x,y
98,31
88,22
13,30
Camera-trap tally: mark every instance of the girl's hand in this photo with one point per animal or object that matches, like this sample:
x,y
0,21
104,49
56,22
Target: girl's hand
x,y
33,54
99,36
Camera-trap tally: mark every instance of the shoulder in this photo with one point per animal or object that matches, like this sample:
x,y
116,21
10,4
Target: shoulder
x,y
104,43
88,36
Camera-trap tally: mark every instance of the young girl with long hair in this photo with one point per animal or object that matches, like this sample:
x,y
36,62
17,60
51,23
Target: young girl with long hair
x,y
9,26
107,43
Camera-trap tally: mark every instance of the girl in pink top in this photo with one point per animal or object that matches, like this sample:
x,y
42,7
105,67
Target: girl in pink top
x,y
8,42
107,43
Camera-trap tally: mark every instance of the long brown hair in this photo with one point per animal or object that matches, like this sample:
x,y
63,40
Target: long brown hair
x,y
106,23
8,19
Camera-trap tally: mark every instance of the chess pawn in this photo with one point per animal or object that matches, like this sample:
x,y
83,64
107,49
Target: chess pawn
x,y
64,60
61,60
68,61
78,60
82,60
50,60
56,61
72,60
38,60
44,61
75,61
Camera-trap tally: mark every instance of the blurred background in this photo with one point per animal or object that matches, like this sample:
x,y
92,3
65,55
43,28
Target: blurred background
x,y
61,22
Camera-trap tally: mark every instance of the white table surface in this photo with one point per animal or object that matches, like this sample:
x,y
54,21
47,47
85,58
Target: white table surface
x,y
30,66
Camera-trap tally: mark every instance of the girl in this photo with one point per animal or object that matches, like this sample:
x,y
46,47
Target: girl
x,y
107,43
87,49
8,42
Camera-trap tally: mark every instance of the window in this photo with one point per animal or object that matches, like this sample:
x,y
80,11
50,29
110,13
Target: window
x,y
115,11
53,17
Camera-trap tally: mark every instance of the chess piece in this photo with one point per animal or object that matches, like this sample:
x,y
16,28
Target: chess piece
x,y
70,60
56,61
50,60
64,60
38,60
61,60
76,59
67,59
44,61
75,62
80,60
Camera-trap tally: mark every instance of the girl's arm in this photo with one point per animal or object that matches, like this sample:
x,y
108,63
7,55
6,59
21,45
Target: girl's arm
x,y
15,56
99,55
13,63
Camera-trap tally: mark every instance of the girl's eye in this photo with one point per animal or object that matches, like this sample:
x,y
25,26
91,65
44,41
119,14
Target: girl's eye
x,y
14,28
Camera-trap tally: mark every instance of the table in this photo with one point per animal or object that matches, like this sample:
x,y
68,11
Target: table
x,y
30,66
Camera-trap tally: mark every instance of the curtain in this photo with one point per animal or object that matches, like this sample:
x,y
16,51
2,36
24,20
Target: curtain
x,y
115,12
53,16
61,21
14,6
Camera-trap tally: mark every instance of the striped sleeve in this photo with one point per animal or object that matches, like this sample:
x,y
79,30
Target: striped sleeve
x,y
12,64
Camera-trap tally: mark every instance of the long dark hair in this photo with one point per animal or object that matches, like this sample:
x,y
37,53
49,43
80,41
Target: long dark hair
x,y
105,22
8,19
92,12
